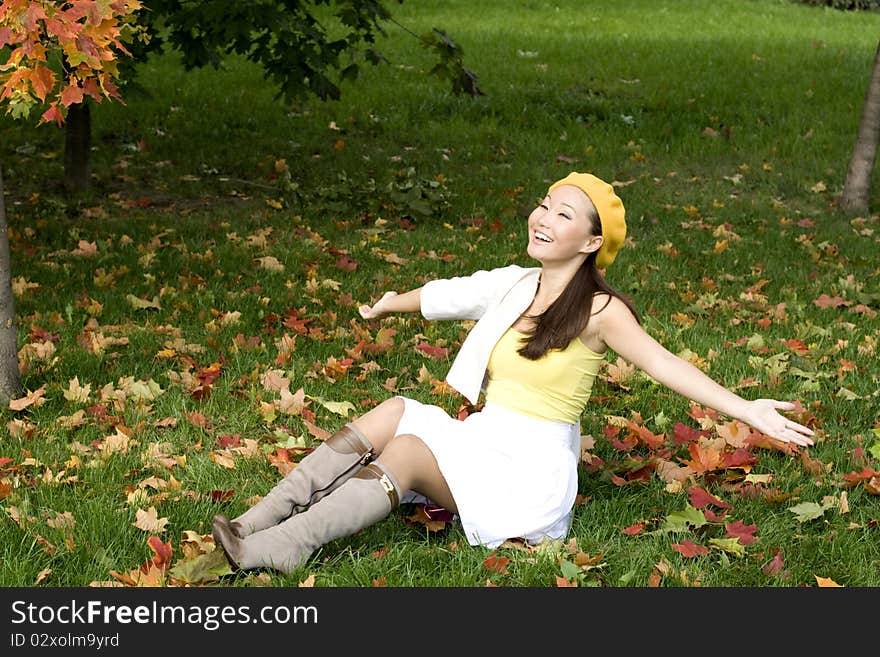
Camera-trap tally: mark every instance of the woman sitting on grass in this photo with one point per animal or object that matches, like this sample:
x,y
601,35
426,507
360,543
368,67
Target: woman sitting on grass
x,y
539,341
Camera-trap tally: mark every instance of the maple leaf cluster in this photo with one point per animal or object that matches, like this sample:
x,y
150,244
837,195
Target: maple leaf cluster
x,y
85,36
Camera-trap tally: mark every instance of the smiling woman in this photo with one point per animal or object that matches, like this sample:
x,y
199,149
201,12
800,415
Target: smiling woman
x,y
523,445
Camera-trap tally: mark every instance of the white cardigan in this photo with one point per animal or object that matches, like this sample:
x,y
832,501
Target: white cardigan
x,y
496,298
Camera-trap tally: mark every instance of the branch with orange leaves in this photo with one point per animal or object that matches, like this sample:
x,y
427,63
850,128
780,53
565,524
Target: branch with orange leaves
x,y
62,52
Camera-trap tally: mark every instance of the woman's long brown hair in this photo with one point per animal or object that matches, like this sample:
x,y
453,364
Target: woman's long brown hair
x,y
567,317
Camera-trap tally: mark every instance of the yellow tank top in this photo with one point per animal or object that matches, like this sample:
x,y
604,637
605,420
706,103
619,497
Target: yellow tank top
x,y
555,387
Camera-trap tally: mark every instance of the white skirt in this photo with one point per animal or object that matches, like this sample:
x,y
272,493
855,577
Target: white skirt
x,y
511,475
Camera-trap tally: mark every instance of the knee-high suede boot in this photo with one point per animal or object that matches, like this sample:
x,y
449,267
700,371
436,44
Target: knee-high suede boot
x,y
364,499
329,465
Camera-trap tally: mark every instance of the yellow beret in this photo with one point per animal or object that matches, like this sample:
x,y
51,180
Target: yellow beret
x,y
610,209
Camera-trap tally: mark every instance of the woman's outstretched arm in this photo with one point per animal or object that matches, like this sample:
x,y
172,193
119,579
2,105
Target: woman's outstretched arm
x,y
392,302
622,333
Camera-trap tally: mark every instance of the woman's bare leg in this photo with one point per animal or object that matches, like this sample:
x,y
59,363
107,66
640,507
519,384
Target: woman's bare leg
x,y
379,424
414,466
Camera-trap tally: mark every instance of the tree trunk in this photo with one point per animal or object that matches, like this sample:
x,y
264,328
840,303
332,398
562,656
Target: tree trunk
x,y
10,381
857,188
77,145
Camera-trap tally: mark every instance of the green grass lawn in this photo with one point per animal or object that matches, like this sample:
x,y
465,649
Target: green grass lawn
x,y
228,239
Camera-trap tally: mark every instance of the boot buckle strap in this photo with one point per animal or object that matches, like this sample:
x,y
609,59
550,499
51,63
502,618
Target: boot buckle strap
x,y
389,488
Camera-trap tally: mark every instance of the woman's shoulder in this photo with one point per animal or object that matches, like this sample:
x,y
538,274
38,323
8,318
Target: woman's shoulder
x,y
610,307
607,311
602,300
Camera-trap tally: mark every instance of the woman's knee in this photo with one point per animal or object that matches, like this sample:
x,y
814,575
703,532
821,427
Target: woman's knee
x,y
380,423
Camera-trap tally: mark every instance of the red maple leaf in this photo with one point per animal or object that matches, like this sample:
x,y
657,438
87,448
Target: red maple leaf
x,y
346,263
689,549
824,301
437,353
221,495
855,478
162,551
745,534
775,564
683,434
697,412
626,444
295,323
739,458
711,516
228,440
634,529
796,346
206,377
699,499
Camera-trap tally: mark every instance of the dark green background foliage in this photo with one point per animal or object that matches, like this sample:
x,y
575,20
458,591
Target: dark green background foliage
x,y
851,5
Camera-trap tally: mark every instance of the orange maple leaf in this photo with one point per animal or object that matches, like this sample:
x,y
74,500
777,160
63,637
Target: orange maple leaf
x,y
827,582
651,440
496,564
421,517
735,433
703,459
561,582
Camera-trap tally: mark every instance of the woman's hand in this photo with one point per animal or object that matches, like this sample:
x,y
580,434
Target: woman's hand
x,y
761,414
378,309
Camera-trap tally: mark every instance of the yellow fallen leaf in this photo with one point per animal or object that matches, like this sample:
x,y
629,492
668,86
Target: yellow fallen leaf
x,y
149,520
826,582
76,392
142,304
270,263
35,399
63,521
85,249
291,403
224,460
274,380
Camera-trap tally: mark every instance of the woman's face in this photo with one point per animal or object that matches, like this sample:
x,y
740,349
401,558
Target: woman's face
x,y
560,228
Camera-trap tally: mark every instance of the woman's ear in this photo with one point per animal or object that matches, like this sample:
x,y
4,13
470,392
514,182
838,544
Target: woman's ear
x,y
594,243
